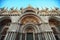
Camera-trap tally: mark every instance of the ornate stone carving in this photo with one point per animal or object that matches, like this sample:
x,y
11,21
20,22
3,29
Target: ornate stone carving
x,y
36,10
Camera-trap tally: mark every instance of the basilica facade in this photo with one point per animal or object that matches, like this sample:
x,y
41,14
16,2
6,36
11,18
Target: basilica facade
x,y
29,24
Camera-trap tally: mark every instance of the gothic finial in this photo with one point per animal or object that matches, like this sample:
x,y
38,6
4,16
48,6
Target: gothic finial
x,y
29,6
37,8
21,8
41,8
6,8
46,8
2,8
56,8
16,8
12,8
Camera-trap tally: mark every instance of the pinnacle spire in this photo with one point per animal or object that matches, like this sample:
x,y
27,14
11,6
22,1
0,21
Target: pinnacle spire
x,y
29,6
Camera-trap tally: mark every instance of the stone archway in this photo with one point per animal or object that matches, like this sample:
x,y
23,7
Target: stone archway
x,y
26,27
54,23
30,18
29,31
4,23
29,25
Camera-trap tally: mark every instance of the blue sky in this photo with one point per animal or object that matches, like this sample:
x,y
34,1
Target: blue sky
x,y
25,3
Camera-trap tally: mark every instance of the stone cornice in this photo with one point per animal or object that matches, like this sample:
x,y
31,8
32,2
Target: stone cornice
x,y
37,14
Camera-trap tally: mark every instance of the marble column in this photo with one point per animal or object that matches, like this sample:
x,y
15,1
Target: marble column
x,y
46,32
36,36
20,36
12,32
10,36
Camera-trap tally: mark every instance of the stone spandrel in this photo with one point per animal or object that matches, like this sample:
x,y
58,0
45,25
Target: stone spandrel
x,y
45,27
14,18
14,27
45,18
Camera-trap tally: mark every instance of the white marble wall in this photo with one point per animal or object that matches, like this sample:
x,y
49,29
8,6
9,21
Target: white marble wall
x,y
14,27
